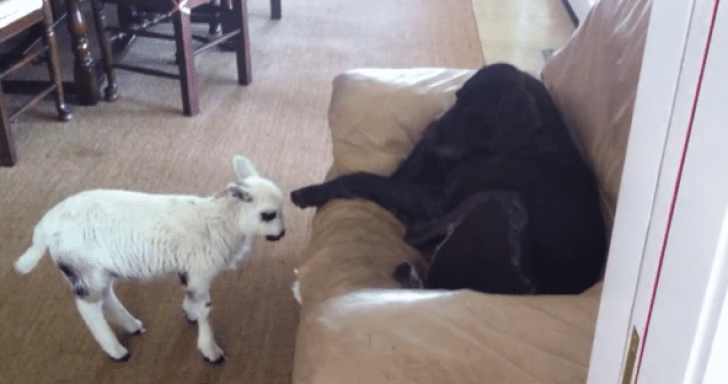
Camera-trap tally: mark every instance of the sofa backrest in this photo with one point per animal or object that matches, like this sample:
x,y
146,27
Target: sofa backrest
x,y
593,81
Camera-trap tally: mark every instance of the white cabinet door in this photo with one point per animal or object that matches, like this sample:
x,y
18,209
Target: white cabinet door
x,y
663,281
679,305
640,199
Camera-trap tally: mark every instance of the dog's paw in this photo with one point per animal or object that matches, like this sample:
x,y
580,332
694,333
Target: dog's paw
x,y
407,276
307,197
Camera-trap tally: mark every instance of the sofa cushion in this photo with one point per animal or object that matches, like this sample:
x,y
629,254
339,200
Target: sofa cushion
x,y
398,336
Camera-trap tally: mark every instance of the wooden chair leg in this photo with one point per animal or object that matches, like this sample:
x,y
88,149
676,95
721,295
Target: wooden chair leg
x,y
238,19
275,9
215,24
187,71
8,157
54,65
83,70
126,15
111,92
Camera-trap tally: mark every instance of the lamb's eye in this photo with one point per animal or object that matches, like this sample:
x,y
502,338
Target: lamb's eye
x,y
268,216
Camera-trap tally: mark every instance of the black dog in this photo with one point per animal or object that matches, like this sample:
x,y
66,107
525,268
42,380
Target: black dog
x,y
496,189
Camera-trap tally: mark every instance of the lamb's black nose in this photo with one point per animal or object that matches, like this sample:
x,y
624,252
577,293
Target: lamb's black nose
x,y
275,237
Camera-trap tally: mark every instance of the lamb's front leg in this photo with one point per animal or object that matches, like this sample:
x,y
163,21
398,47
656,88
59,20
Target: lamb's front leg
x,y
197,306
408,201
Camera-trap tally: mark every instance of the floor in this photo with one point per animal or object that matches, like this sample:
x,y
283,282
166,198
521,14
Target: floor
x,y
522,32
142,142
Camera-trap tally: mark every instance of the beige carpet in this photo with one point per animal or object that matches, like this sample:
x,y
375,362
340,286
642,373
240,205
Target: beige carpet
x,y
142,142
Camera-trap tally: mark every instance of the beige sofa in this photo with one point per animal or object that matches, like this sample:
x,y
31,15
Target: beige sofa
x,y
358,326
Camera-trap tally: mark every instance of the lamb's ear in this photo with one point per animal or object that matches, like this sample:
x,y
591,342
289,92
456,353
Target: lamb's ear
x,y
243,168
238,191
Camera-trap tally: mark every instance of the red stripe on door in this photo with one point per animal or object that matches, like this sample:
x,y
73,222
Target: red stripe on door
x,y
676,190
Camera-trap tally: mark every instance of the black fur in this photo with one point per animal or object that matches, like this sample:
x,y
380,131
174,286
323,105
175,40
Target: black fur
x,y
495,189
79,288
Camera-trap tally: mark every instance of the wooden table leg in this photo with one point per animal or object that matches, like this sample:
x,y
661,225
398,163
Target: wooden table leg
x,y
237,18
186,60
84,74
7,145
275,9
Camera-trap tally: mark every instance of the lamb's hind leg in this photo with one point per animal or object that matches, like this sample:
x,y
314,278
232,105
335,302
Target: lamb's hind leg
x,y
118,314
197,306
89,302
93,315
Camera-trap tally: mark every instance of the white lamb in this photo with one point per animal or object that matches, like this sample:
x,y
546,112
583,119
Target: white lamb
x,y
96,237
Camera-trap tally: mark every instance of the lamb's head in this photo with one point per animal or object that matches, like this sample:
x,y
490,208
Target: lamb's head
x,y
259,201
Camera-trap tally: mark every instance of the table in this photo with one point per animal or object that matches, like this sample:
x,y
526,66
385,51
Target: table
x,y
86,72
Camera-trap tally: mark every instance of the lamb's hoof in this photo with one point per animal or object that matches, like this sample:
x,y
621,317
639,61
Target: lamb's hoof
x,y
137,328
219,360
213,354
188,318
122,359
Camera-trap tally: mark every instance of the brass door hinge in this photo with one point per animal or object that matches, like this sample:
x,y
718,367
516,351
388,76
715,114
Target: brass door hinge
x,y
632,349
